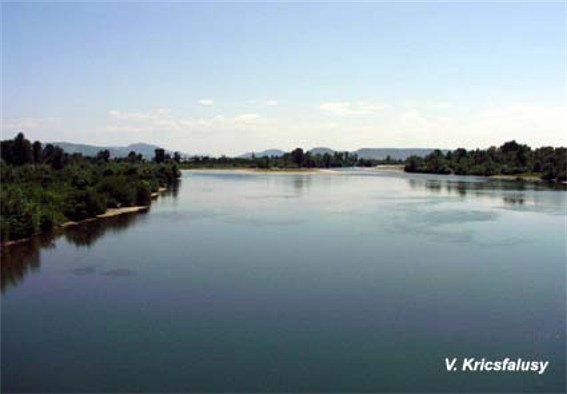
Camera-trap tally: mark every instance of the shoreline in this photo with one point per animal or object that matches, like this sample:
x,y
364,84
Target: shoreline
x,y
155,195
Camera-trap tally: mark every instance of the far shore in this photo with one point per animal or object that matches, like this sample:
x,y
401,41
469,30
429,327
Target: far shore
x,y
387,167
271,171
336,171
297,171
526,178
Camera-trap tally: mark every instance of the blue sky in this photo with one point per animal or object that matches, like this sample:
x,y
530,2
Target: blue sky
x,y
227,77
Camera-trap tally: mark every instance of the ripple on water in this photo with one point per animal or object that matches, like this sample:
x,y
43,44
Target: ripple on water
x,y
436,218
446,226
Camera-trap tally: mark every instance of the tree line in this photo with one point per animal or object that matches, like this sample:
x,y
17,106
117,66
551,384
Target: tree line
x,y
511,158
297,158
42,186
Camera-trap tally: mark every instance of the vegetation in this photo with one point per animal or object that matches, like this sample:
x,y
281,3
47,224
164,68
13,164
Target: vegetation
x,y
547,163
291,160
42,186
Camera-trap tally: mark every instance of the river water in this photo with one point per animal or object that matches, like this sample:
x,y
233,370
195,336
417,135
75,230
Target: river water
x,y
361,281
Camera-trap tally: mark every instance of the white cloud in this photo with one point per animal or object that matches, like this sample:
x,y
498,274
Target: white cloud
x,y
26,125
116,128
441,105
347,108
531,124
401,126
206,101
166,121
271,102
136,116
15,125
246,118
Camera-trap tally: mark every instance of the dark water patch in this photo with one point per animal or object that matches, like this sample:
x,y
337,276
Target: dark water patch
x,y
83,270
503,242
271,197
87,234
119,272
19,260
453,216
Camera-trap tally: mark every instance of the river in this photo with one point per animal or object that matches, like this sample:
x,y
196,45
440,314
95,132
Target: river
x,y
359,281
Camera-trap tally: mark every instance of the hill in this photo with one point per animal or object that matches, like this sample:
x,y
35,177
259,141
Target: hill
x,y
267,152
321,151
146,150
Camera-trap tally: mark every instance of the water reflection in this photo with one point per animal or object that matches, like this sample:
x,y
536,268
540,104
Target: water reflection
x,y
173,189
514,199
511,193
18,260
301,182
87,234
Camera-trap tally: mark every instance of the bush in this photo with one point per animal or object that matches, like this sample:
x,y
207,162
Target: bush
x,y
84,204
118,189
46,222
143,193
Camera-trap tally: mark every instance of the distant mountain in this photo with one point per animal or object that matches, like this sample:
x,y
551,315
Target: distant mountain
x,y
321,151
146,150
363,153
89,150
268,152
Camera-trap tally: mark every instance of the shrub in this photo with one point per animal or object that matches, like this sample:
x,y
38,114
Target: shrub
x,y
84,204
143,193
46,222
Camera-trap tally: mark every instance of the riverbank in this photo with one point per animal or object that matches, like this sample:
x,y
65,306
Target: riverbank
x,y
38,195
155,195
109,213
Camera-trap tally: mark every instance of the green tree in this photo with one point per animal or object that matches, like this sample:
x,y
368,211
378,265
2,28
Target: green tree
x,y
103,155
298,157
21,150
159,155
37,152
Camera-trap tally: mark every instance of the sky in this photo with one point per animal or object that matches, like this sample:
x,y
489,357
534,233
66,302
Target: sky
x,y
228,78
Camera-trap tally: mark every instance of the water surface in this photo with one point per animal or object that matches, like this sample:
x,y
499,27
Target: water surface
x,y
357,282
